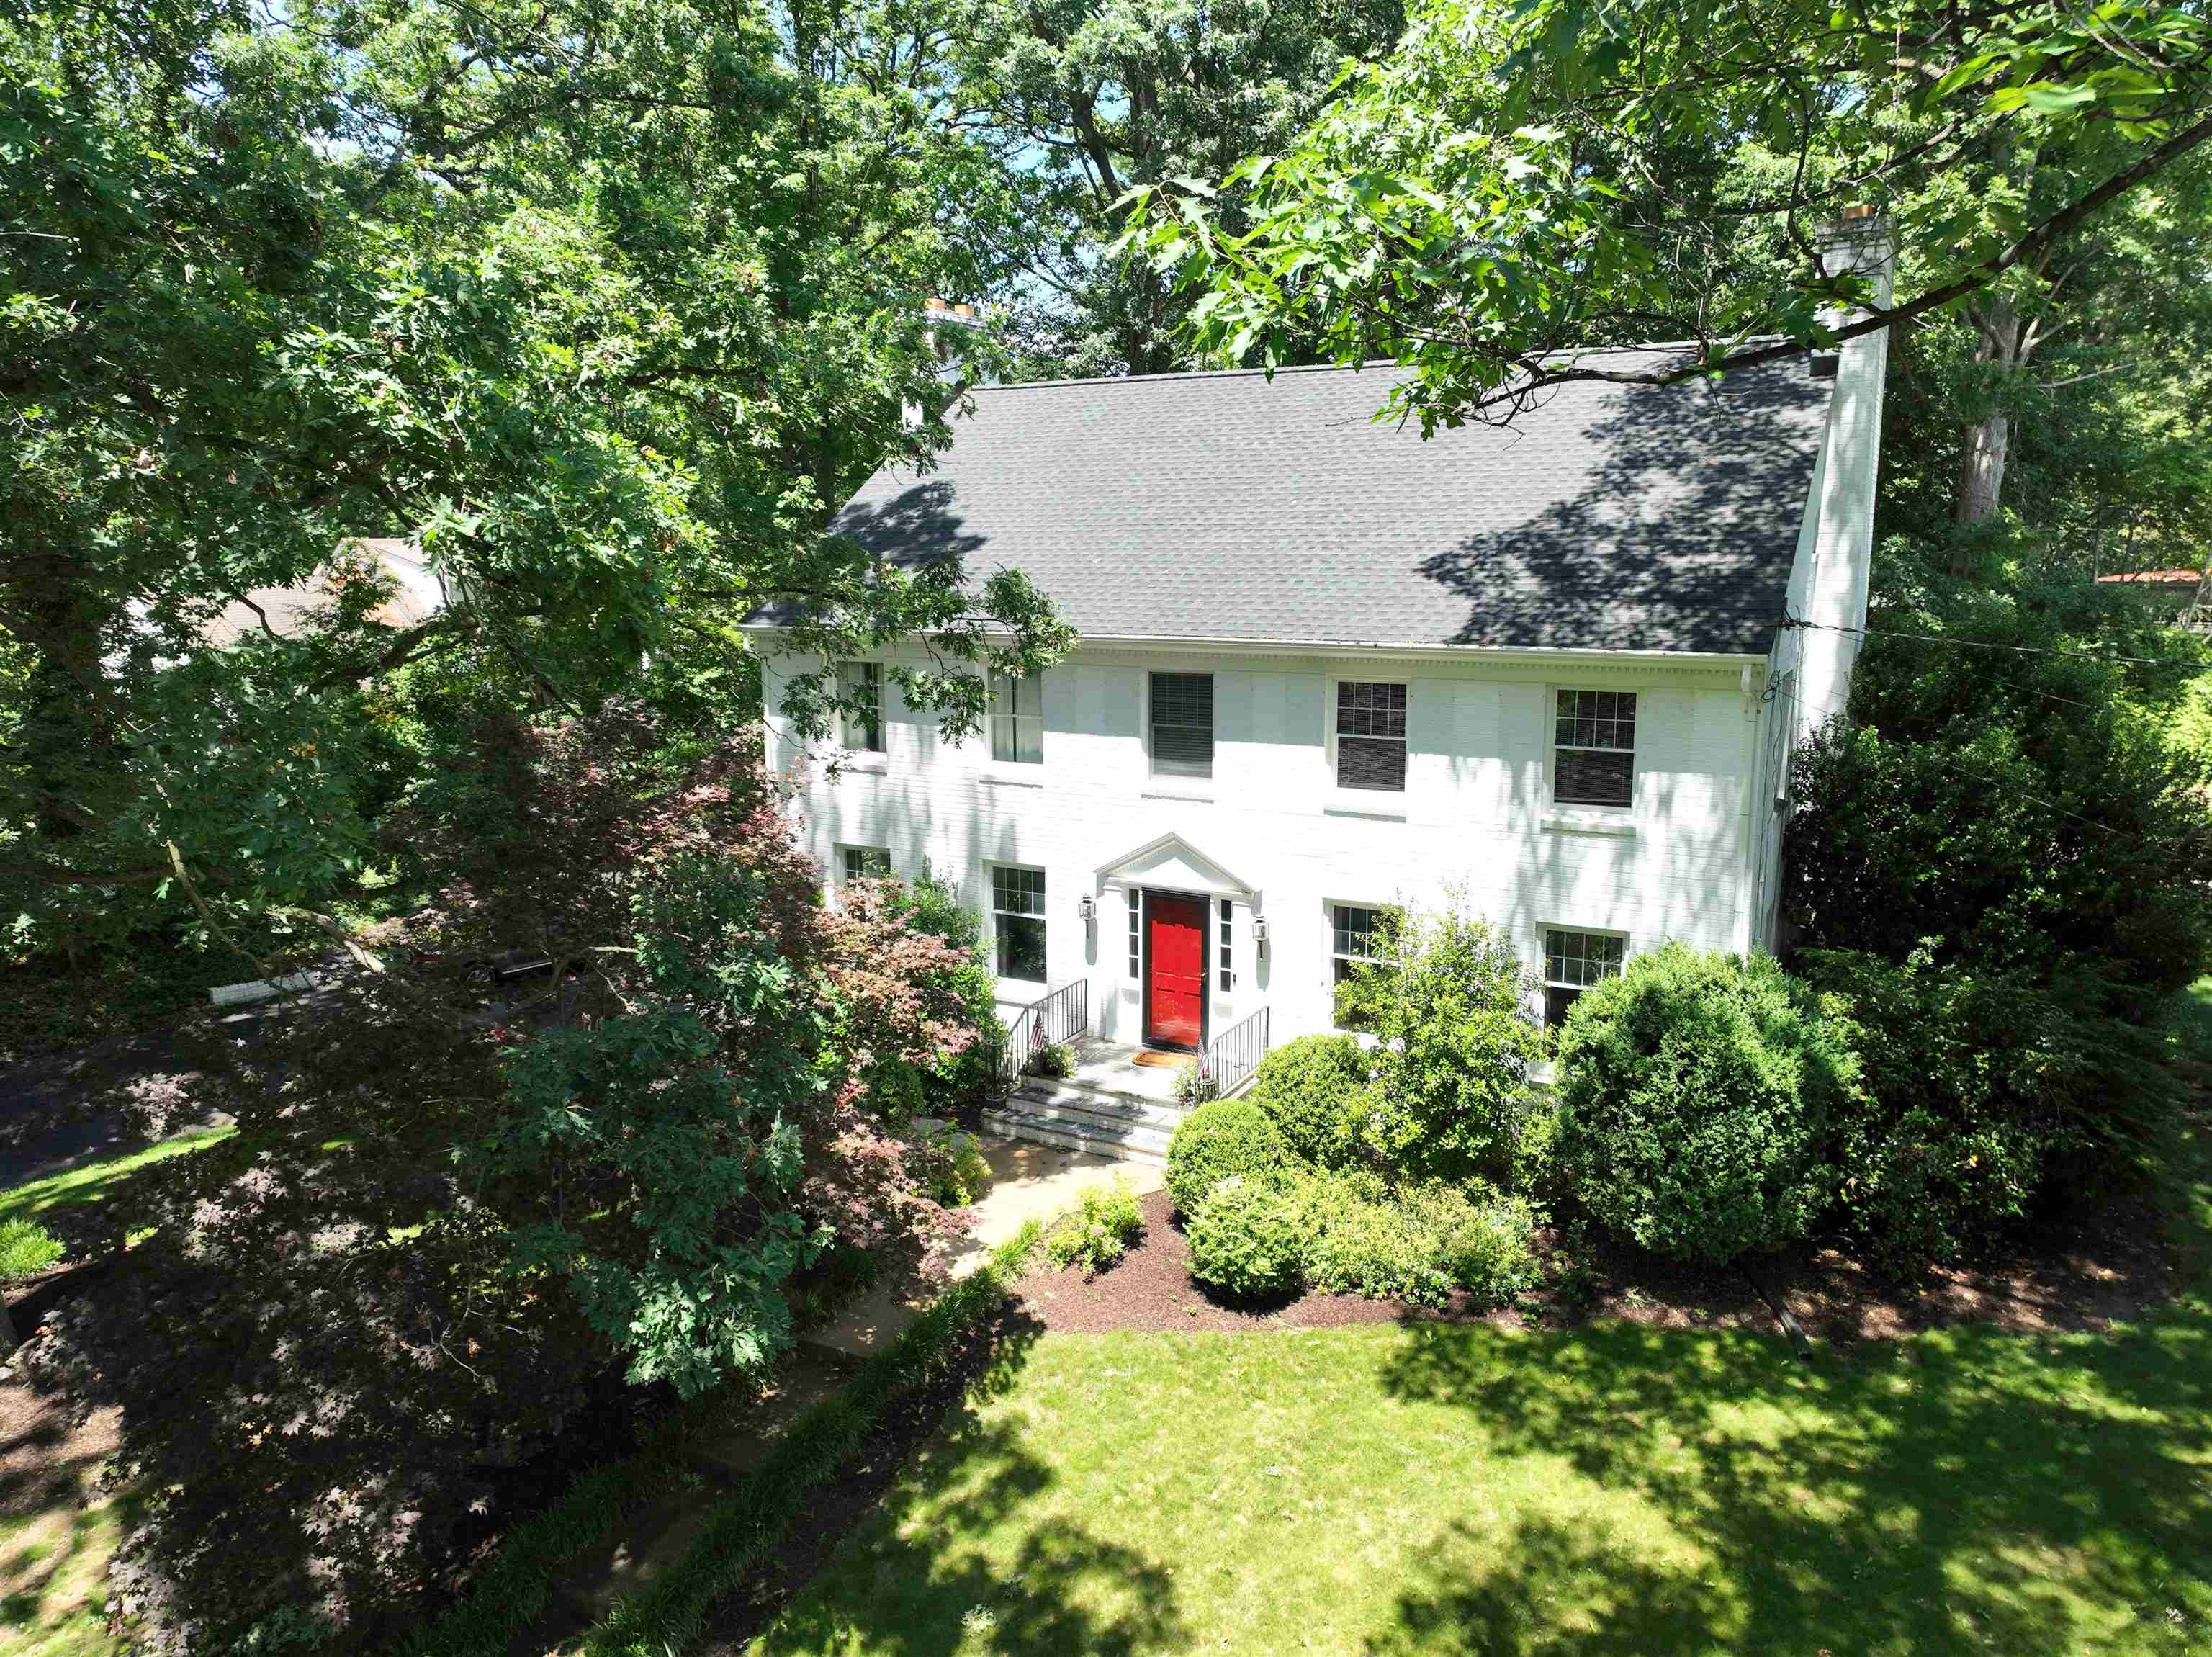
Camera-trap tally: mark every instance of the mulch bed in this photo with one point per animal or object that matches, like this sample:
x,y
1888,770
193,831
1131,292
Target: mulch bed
x,y
832,1509
2111,1266
1150,1287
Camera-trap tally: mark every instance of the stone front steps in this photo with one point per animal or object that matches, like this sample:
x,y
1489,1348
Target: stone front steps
x,y
1076,1117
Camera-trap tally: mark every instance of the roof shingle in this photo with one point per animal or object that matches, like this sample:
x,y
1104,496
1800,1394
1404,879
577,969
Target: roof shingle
x,y
1230,506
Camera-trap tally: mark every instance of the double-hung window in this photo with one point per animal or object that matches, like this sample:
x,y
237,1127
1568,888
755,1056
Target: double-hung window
x,y
1352,938
1017,720
1017,921
1572,962
860,691
867,863
1593,748
1371,735
1356,940
1182,724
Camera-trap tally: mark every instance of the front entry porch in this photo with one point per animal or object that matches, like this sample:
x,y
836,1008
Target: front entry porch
x,y
1112,1105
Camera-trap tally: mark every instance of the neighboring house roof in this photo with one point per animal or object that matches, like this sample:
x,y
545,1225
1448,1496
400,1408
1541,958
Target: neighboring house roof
x,y
2155,578
288,609
1230,506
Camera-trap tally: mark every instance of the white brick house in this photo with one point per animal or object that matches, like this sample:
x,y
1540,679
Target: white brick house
x,y
1326,666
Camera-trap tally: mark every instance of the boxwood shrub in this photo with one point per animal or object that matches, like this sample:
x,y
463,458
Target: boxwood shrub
x,y
1248,1238
1227,1137
1307,1087
1697,1094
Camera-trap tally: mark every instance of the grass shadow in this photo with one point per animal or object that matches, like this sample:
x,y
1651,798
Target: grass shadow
x,y
917,1577
1966,1491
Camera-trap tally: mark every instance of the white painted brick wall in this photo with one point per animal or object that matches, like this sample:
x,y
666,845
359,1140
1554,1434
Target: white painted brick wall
x,y
1475,813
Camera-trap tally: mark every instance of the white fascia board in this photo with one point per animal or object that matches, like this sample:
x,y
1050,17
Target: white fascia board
x,y
1730,660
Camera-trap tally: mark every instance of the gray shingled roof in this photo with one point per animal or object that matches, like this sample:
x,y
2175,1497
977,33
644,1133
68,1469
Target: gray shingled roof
x,y
1230,506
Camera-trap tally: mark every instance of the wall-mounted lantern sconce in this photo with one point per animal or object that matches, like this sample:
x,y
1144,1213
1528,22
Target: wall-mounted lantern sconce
x,y
1259,932
1087,907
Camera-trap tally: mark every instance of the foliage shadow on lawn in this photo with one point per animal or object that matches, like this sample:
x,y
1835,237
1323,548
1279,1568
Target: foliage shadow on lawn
x,y
1048,1601
1971,1491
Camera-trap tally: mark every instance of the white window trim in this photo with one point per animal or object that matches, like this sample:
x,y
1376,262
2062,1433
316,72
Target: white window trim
x,y
844,846
1170,787
1329,957
1543,956
1328,908
1016,773
873,760
1366,802
1577,815
992,911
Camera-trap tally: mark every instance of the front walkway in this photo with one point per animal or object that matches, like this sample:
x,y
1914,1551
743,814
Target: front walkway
x,y
1028,1182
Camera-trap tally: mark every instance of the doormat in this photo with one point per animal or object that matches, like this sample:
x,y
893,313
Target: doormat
x,y
1161,1061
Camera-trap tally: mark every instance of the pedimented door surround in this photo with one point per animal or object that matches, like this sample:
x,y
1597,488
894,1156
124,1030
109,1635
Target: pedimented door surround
x,y
1171,863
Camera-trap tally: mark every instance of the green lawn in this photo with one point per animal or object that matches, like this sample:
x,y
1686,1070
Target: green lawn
x,y
1612,1490
56,1535
93,1182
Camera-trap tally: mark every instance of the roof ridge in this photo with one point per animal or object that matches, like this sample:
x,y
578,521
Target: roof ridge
x,y
1334,367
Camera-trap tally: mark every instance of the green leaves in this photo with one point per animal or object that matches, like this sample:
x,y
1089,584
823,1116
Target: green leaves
x,y
1648,171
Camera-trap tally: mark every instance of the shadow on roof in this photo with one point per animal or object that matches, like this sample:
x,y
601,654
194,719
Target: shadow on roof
x,y
1674,543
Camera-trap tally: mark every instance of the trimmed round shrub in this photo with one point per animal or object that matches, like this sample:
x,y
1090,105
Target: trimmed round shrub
x,y
1229,1135
1697,1094
1248,1238
1306,1087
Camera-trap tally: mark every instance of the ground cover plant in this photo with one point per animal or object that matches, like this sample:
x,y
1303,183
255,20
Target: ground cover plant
x,y
1099,1231
1441,1488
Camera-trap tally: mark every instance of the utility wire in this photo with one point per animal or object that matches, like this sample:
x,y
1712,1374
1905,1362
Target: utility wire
x,y
1993,780
1789,621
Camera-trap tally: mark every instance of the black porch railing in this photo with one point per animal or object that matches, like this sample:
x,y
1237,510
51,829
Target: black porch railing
x,y
1056,1018
1235,1054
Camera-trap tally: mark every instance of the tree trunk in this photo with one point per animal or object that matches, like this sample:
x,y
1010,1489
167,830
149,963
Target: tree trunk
x,y
1982,452
1981,471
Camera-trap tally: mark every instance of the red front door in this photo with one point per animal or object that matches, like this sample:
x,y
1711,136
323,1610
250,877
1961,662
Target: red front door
x,y
1175,986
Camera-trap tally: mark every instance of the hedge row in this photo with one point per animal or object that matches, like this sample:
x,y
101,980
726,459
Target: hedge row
x,y
513,1590
667,1616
